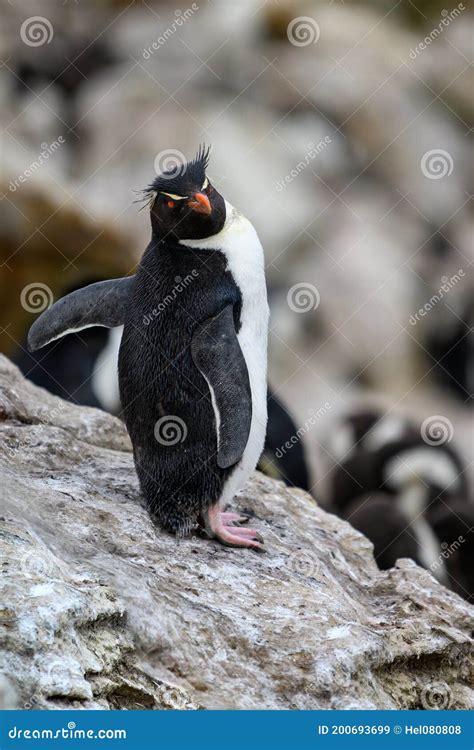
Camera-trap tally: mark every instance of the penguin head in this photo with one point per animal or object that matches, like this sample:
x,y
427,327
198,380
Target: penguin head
x,y
184,204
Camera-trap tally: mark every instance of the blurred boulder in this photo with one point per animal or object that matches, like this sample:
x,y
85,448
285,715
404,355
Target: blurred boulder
x,y
47,247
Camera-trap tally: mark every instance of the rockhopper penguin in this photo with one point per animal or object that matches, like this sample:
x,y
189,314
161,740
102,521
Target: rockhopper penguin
x,y
410,497
193,357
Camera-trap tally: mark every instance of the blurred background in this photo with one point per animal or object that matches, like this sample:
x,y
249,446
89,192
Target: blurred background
x,y
342,131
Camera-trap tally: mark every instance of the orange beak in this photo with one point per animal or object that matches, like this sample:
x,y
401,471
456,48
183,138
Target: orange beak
x,y
200,204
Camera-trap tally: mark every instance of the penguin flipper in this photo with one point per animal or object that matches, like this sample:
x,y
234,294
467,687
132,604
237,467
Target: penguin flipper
x,y
217,354
100,304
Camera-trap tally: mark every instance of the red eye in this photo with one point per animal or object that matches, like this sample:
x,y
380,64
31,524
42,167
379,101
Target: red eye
x,y
170,204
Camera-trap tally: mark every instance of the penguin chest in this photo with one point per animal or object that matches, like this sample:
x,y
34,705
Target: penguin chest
x,y
239,243
244,254
252,339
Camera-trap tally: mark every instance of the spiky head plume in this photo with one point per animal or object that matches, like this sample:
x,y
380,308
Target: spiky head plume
x,y
182,177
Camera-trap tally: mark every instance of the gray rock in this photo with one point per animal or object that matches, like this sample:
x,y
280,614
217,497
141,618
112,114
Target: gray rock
x,y
100,609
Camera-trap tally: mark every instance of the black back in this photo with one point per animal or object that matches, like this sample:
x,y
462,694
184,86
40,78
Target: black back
x,y
65,367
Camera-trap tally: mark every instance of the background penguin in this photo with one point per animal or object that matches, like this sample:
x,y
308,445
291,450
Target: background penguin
x,y
445,332
374,451
289,466
377,517
452,520
192,372
409,498
67,367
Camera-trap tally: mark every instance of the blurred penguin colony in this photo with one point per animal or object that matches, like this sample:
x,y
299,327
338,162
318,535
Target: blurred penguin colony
x,y
342,131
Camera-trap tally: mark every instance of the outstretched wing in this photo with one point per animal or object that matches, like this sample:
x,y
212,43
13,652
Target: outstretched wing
x,y
217,355
100,304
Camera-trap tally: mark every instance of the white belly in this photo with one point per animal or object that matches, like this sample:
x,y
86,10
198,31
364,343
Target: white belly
x,y
253,342
239,242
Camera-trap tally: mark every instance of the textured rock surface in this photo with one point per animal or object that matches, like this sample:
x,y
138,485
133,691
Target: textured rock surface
x,y
101,609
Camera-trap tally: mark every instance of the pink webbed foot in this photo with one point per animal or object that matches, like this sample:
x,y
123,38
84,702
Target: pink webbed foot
x,y
219,526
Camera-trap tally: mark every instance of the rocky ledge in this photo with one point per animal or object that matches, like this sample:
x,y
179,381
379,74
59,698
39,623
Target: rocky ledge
x,y
100,609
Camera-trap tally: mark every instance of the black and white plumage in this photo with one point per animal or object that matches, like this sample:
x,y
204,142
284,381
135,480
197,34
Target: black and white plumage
x,y
72,366
193,360
66,367
386,452
290,466
79,368
408,497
